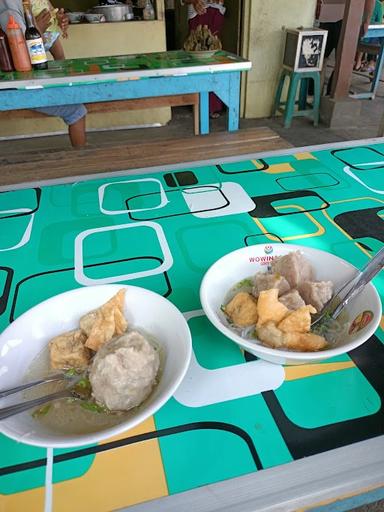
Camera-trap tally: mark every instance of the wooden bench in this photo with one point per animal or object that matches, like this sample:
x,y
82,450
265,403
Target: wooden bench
x,y
178,100
23,167
373,49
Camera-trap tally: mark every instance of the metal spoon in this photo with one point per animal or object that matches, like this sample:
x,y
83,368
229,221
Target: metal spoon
x,y
64,375
11,410
75,390
333,308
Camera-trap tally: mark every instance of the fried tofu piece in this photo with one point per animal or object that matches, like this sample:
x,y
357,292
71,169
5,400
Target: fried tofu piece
x,y
273,337
298,321
68,350
294,267
292,300
266,281
270,335
317,293
304,342
102,324
242,309
269,309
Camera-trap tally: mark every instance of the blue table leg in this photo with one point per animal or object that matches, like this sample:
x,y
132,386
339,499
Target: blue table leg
x,y
204,113
378,69
234,102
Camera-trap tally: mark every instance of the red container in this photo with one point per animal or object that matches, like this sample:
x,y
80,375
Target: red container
x,y
18,46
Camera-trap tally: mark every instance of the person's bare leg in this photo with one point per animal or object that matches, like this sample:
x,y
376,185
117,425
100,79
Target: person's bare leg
x,y
77,133
323,75
57,50
358,61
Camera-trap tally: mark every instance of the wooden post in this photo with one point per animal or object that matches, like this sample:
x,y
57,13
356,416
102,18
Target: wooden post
x,y
345,56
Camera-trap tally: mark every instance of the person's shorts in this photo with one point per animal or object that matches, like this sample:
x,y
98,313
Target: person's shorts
x,y
50,39
334,32
70,114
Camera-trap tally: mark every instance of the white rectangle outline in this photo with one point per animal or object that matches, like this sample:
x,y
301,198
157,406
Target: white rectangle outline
x,y
350,173
164,201
81,278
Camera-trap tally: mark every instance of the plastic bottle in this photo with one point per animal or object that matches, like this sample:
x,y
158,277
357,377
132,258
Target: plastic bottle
x,y
34,41
6,63
18,46
148,11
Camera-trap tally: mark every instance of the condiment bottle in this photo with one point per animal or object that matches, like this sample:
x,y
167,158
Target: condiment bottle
x,y
6,63
34,41
18,46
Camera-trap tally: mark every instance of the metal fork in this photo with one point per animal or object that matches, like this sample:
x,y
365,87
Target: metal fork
x,y
354,287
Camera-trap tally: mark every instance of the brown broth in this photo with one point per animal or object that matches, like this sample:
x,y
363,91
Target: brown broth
x,y
67,415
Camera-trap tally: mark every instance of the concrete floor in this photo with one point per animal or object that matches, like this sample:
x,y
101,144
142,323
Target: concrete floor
x,y
302,133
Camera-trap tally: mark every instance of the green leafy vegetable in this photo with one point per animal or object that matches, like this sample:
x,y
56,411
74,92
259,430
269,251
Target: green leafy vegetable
x,y
42,411
83,388
94,407
84,383
245,282
71,372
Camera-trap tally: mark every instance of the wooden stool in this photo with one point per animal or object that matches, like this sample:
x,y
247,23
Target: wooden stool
x,y
287,108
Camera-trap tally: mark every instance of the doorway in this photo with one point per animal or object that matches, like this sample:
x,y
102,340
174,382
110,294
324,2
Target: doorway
x,y
231,36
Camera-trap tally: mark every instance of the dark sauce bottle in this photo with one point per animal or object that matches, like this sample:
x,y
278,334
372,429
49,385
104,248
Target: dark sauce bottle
x,y
34,41
6,63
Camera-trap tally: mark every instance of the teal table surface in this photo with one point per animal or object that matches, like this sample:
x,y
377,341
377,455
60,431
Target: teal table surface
x,y
123,67
316,437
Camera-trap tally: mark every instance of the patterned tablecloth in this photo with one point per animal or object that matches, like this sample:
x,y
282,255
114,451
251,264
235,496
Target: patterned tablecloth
x,y
122,67
328,199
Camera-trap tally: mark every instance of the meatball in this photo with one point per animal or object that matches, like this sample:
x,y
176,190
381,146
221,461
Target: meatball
x,y
124,372
317,293
292,300
264,281
294,267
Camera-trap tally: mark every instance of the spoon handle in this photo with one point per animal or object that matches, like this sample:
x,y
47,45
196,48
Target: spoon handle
x,y
27,385
11,410
372,268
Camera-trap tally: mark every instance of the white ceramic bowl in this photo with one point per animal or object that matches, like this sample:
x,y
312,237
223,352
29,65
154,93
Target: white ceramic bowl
x,y
75,17
201,54
27,336
243,263
93,17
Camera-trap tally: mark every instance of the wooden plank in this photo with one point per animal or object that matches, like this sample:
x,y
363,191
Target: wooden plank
x,y
38,165
178,100
346,50
216,139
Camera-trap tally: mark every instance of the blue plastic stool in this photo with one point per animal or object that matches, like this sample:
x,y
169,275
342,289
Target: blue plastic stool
x,y
287,108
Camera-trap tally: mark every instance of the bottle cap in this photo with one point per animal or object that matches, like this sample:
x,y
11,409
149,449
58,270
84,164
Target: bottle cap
x,y
12,24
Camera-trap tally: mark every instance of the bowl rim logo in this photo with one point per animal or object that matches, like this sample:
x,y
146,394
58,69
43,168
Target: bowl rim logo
x,y
361,321
268,249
